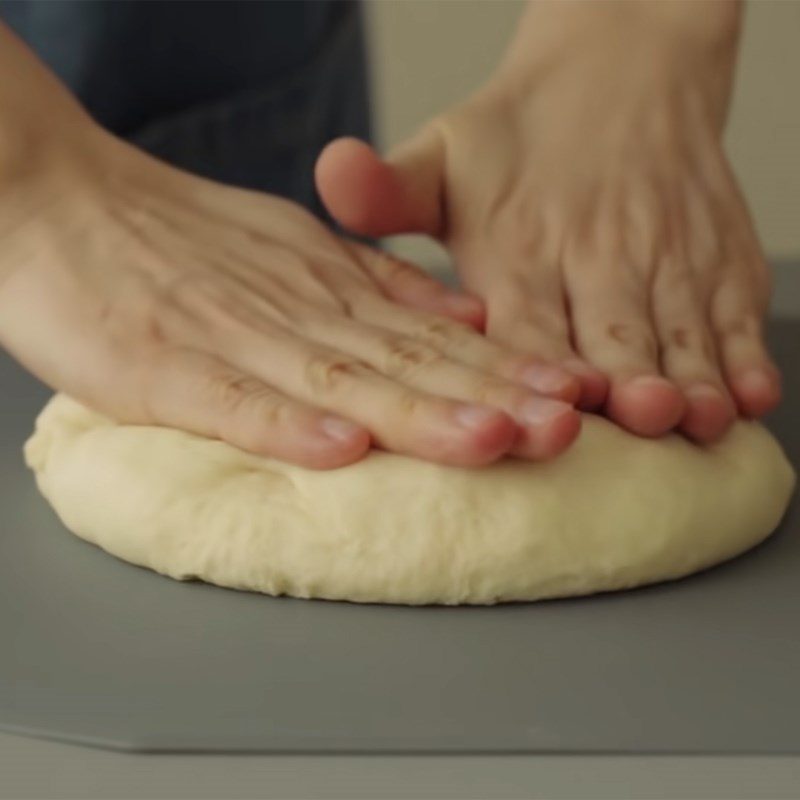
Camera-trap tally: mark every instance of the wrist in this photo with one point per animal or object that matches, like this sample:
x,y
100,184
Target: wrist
x,y
44,182
549,27
677,25
41,124
632,48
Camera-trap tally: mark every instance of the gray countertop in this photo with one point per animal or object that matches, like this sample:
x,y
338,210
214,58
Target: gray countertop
x,y
32,768
36,769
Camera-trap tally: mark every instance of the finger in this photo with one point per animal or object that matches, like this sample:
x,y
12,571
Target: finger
x,y
373,197
688,356
461,343
613,331
244,332
526,310
198,393
407,284
752,377
399,418
547,426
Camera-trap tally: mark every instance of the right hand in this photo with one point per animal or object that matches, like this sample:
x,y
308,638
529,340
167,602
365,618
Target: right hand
x,y
158,297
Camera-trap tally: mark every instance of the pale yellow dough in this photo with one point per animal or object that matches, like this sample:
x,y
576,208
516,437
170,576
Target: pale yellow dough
x,y
615,511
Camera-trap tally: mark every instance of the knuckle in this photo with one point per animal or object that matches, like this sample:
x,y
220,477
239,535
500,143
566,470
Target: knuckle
x,y
400,271
404,356
440,334
681,337
232,392
487,391
688,343
411,405
273,411
249,411
391,269
329,373
745,326
633,336
690,340
352,304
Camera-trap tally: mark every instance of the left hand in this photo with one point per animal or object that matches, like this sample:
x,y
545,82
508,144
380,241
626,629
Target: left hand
x,y
586,198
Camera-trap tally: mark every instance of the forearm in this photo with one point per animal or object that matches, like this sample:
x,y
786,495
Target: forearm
x,y
37,113
700,21
650,39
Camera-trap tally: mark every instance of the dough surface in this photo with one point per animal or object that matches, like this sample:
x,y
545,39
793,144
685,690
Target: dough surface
x,y
616,511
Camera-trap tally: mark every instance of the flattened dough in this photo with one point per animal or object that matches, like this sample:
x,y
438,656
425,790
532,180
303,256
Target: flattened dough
x,y
616,511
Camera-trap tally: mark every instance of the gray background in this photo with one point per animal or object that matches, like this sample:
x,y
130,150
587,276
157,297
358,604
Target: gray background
x,y
709,665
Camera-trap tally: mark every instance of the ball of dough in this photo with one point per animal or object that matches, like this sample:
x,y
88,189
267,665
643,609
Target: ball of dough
x,y
615,511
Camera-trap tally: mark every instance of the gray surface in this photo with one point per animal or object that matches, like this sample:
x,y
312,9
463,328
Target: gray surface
x,y
39,769
102,652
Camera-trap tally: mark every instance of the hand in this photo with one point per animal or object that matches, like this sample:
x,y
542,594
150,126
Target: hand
x,y
586,197
161,298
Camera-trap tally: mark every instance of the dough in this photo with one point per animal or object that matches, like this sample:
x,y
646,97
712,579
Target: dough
x,y
615,511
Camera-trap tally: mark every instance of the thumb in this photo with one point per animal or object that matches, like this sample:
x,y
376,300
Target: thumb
x,y
374,197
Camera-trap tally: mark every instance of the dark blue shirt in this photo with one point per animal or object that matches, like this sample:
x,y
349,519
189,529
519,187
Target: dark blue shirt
x,y
244,92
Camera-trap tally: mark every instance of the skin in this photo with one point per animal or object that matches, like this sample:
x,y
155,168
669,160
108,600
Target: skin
x,y
585,196
611,272
158,297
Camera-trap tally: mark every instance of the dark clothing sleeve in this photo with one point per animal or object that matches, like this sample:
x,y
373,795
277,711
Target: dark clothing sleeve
x,y
242,92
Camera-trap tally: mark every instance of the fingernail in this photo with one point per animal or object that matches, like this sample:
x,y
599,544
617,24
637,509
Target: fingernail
x,y
473,417
340,429
537,411
546,379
